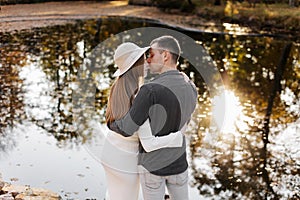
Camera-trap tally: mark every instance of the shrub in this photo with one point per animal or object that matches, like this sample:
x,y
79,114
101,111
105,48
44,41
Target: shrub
x,y
184,6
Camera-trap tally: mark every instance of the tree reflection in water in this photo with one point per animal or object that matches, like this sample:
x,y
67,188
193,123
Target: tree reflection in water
x,y
242,161
11,93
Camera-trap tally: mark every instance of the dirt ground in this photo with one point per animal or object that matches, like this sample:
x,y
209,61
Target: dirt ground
x,y
24,16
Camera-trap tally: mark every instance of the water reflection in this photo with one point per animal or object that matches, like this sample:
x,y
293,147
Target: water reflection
x,y
235,29
233,112
246,158
11,94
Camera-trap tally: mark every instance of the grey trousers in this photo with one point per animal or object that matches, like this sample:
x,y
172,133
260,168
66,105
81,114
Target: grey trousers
x,y
153,186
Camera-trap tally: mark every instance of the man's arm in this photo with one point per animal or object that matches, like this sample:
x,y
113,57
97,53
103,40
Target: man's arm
x,y
152,143
136,116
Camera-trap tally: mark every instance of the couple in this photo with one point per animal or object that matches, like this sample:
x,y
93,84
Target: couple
x,y
146,146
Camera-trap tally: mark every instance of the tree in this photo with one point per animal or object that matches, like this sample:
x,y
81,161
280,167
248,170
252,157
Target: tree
x,y
292,3
217,2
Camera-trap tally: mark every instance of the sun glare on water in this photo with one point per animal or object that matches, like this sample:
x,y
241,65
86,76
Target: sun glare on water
x,y
227,112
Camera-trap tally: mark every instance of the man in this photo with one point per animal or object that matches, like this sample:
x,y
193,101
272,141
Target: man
x,y
168,101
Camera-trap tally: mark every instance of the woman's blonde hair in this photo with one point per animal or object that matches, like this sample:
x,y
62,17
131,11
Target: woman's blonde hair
x,y
123,91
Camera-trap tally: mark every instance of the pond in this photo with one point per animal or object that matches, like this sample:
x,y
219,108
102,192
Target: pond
x,y
246,148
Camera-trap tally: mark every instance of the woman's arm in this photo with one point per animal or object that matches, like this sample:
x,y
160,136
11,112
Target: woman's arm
x,y
151,142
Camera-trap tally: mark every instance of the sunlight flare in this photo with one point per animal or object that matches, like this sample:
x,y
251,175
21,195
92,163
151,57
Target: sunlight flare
x,y
227,111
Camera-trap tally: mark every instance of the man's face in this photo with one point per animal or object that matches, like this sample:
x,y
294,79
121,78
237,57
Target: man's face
x,y
146,66
155,59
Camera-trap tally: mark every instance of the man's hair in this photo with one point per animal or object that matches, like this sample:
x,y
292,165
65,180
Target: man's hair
x,y
170,44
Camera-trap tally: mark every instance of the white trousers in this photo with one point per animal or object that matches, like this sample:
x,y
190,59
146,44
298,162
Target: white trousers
x,y
122,185
119,160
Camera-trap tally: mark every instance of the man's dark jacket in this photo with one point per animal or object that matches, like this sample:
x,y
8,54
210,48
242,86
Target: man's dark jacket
x,y
168,101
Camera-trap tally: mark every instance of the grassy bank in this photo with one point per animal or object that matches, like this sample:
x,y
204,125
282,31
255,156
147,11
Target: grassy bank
x,y
274,18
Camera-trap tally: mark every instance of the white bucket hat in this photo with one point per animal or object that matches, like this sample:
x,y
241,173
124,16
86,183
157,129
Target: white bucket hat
x,y
126,55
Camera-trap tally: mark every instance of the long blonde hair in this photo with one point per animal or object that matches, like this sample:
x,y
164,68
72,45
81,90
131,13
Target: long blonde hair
x,y
123,91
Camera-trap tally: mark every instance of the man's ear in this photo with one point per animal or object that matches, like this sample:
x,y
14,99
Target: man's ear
x,y
166,55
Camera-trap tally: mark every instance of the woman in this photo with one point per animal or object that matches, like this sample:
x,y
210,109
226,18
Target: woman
x,y
119,156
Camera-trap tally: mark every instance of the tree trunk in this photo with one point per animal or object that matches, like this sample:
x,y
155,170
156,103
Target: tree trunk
x,y
217,2
292,3
266,129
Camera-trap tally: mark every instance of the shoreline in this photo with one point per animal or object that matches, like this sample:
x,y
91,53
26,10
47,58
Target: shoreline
x,y
16,17
27,16
10,191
